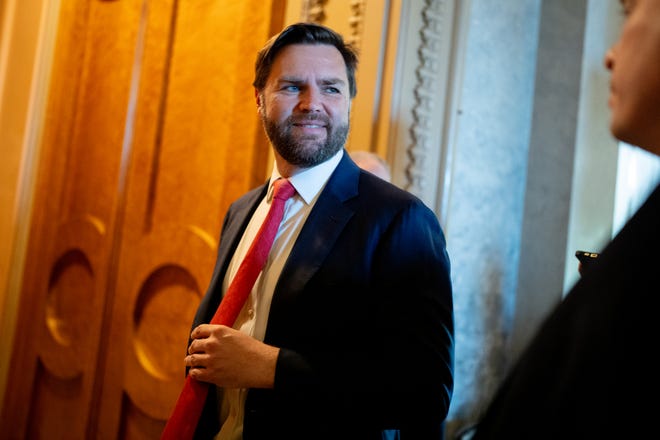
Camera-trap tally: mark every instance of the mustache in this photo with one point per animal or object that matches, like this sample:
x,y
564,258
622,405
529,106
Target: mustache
x,y
308,118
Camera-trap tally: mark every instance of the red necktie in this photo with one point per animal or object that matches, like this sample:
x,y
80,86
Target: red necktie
x,y
183,421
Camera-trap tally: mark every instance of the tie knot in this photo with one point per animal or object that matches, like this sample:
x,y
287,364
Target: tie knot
x,y
283,189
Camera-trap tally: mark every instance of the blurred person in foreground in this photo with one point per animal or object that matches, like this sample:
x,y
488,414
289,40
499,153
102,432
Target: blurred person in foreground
x,y
349,330
590,370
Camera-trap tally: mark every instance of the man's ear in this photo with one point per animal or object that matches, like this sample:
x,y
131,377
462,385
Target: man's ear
x,y
257,98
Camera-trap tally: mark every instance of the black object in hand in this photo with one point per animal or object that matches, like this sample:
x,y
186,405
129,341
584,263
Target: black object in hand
x,y
586,258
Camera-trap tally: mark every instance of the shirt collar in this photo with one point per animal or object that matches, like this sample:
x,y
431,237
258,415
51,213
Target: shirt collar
x,y
310,181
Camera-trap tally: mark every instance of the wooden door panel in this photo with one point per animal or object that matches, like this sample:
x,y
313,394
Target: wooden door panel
x,y
51,390
67,335
192,154
210,116
151,132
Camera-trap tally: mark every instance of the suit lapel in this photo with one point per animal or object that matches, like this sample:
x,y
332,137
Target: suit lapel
x,y
242,213
322,228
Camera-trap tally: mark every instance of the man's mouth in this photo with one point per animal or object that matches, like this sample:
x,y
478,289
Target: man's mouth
x,y
314,127
309,125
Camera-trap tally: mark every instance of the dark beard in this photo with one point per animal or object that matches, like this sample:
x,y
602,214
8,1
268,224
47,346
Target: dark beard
x,y
298,151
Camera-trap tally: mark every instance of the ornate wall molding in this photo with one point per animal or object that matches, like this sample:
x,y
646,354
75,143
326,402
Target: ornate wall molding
x,y
356,23
427,102
314,11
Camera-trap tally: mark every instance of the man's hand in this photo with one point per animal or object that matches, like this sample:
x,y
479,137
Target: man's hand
x,y
229,358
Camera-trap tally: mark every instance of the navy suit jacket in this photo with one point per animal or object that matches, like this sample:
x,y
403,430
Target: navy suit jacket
x,y
591,370
362,313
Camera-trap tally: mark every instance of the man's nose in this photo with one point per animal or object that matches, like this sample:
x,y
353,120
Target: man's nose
x,y
311,100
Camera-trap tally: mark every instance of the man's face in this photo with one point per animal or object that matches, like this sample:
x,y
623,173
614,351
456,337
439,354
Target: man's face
x,y
634,62
305,104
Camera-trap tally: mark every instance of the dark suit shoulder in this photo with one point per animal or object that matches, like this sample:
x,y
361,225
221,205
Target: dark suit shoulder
x,y
592,356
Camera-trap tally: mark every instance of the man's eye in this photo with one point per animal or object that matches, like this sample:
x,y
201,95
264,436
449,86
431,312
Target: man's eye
x,y
627,7
291,88
332,90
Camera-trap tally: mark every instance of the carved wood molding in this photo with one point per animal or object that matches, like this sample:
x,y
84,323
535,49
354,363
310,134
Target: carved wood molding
x,y
314,11
426,105
356,23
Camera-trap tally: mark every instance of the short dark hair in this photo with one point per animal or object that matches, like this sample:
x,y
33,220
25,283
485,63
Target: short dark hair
x,y
304,33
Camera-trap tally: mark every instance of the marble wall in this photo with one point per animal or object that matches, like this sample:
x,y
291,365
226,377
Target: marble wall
x,y
531,113
489,171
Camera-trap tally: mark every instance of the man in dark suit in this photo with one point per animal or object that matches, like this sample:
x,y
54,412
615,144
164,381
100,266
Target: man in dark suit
x,y
591,370
349,329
